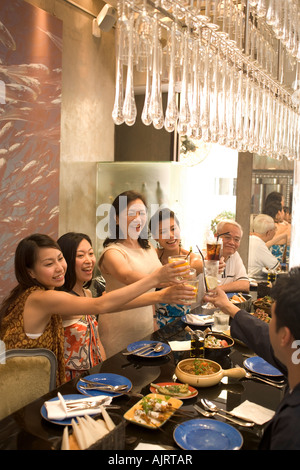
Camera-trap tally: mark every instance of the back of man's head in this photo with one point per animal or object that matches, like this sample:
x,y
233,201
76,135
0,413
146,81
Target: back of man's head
x,y
263,223
286,293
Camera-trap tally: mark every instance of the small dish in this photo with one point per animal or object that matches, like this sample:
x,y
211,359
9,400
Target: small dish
x,y
192,390
198,320
139,344
66,421
258,365
103,379
137,414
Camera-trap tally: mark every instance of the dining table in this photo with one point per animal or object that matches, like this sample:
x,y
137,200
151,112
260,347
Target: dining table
x,y
28,429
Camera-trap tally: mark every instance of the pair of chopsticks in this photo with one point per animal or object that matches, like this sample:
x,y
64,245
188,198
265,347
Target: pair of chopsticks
x,y
87,431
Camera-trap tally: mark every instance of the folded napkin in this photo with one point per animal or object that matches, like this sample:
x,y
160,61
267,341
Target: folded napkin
x,y
147,446
199,319
180,345
256,413
55,409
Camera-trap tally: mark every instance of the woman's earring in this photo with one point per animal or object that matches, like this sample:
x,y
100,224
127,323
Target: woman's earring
x,y
158,245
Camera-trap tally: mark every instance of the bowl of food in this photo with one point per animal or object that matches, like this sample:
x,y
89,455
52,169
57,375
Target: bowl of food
x,y
264,304
217,344
242,301
200,372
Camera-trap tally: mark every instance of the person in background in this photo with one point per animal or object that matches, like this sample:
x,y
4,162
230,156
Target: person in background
x,y
279,245
31,315
83,348
274,197
287,215
165,230
127,257
278,343
260,257
234,277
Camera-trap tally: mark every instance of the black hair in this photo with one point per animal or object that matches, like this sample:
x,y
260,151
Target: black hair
x,y
158,217
286,294
115,232
68,244
25,258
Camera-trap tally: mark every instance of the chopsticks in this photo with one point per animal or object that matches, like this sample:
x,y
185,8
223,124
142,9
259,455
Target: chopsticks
x,y
87,431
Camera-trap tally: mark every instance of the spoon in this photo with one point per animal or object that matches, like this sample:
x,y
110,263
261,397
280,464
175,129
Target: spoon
x,y
212,407
159,347
99,385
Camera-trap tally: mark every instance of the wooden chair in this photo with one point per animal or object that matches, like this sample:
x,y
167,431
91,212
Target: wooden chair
x,y
25,375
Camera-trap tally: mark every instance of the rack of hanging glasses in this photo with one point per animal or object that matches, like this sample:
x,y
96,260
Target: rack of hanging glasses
x,y
223,64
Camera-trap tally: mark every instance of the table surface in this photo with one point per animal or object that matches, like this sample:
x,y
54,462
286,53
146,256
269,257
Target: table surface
x,y
27,429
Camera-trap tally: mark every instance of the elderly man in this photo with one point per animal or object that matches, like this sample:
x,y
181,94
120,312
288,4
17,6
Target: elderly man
x,y
260,257
278,343
234,277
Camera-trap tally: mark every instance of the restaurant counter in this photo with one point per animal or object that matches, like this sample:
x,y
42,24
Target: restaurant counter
x,y
27,429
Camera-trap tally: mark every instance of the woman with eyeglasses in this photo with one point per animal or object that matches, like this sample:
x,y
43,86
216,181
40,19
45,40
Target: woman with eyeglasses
x,y
127,257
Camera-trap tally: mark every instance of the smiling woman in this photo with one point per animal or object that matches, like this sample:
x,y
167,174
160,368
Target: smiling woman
x,y
127,257
82,346
31,315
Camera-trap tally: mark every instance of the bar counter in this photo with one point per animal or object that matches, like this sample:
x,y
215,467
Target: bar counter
x,y
26,429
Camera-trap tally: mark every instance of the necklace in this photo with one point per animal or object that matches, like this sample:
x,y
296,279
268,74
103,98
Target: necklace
x,y
163,252
78,295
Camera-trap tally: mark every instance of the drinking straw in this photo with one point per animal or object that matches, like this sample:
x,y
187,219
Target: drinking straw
x,y
189,253
221,234
218,236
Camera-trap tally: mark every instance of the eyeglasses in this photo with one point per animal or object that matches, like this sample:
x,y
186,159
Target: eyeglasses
x,y
229,237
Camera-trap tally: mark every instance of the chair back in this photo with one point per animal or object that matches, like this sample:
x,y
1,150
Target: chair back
x,y
25,375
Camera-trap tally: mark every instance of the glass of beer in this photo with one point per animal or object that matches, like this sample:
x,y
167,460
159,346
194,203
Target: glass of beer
x,y
184,258
213,249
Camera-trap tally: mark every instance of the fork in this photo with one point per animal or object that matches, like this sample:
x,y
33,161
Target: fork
x,y
209,414
103,386
277,384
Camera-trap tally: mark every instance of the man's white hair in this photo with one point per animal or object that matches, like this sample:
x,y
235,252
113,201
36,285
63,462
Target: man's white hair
x,y
263,223
227,221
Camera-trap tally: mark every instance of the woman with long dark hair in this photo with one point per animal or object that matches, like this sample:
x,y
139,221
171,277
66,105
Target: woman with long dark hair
x,y
31,315
82,344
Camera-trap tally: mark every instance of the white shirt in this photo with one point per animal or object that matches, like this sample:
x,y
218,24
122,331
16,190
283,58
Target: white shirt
x,y
234,270
259,257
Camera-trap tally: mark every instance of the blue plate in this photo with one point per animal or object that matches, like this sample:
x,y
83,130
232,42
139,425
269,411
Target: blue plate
x,y
108,379
259,366
63,422
139,344
207,434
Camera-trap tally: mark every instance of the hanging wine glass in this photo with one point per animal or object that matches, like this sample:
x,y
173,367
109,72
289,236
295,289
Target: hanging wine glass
x,y
195,86
146,116
156,108
171,110
144,32
222,101
129,106
214,99
184,110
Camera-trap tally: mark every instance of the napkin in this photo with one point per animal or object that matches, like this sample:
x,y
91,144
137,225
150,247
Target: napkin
x,y
148,446
256,413
56,411
198,319
180,345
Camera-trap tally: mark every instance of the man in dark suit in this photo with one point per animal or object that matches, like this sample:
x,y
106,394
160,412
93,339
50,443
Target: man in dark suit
x,y
279,344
